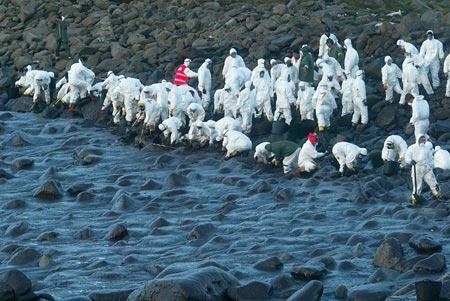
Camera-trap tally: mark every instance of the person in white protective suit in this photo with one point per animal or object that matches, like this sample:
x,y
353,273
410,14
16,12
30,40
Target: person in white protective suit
x,y
420,114
195,112
78,86
218,100
212,130
432,51
407,47
329,80
308,154
161,93
129,90
410,79
264,92
304,101
347,95
171,129
233,59
446,70
235,142
361,112
183,74
289,69
420,156
262,155
390,73
204,82
246,106
323,48
351,59
329,65
285,98
200,132
229,97
441,158
148,109
224,124
275,72
111,82
420,64
36,82
347,155
178,103
394,149
324,104
237,77
259,67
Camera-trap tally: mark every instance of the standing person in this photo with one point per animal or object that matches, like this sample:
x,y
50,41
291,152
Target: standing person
x,y
324,104
275,72
361,111
351,60
432,51
246,106
447,73
233,59
323,48
410,79
390,73
335,52
306,67
204,82
183,74
285,97
420,156
420,114
285,151
347,94
304,101
62,37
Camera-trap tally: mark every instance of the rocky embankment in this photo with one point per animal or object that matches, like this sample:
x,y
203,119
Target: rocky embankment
x,y
87,217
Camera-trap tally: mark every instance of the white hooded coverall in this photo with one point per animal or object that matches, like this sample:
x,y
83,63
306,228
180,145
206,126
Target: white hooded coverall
x,y
307,155
324,104
264,91
397,153
351,60
246,105
236,142
305,102
195,112
285,97
204,82
422,154
360,100
170,128
432,51
347,96
346,154
390,75
420,116
262,154
447,73
441,158
410,78
232,61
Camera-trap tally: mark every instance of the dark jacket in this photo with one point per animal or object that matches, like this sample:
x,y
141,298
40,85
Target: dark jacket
x,y
61,31
306,69
337,53
282,149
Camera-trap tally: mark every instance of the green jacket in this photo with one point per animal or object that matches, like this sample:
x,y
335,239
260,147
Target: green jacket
x,y
61,31
338,54
282,149
306,69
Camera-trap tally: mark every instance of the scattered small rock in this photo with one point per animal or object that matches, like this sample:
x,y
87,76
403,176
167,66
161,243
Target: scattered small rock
x,y
50,190
311,271
117,232
424,245
433,264
389,254
22,163
271,264
254,290
312,291
17,229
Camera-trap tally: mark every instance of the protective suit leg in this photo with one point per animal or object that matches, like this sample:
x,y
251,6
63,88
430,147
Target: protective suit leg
x,y
423,77
364,114
307,166
419,179
356,114
447,88
434,70
389,93
267,108
347,106
247,122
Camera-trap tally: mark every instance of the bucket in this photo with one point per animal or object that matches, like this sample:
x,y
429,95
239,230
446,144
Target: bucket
x,y
428,290
390,168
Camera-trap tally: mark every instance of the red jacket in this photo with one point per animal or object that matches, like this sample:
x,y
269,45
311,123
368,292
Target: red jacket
x,y
180,77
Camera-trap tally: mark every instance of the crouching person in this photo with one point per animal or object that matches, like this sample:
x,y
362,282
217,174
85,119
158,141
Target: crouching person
x,y
347,154
284,151
308,154
235,142
262,155
393,153
171,129
199,134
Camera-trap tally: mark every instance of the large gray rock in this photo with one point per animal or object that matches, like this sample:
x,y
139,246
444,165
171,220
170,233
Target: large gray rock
x,y
271,264
424,245
209,283
254,290
309,271
433,264
369,292
120,295
117,232
50,190
17,229
25,257
312,291
18,281
6,292
389,254
22,163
